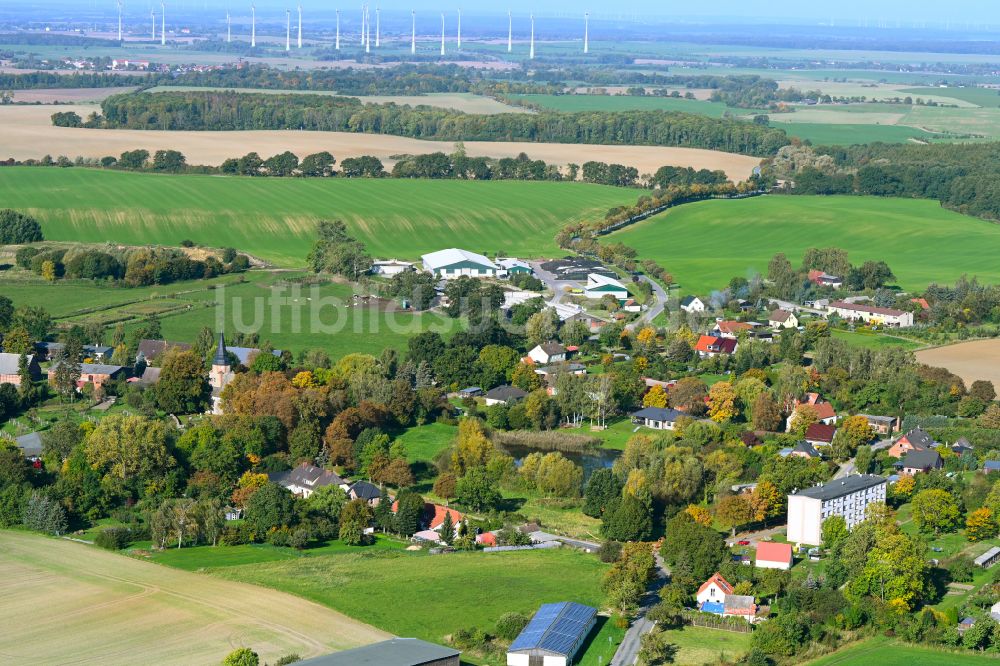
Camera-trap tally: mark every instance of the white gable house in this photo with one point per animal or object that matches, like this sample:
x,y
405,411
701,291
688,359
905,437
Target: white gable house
x,y
453,263
692,304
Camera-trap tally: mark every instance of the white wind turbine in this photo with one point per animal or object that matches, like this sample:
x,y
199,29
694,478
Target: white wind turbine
x,y
163,24
378,27
510,31
442,34
336,44
531,52
253,26
152,16
300,26
413,31
586,32
119,20
288,30
229,28
459,29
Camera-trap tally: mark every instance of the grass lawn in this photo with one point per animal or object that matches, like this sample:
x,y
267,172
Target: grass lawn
x,y
602,644
886,652
424,443
429,597
700,645
688,239
874,340
614,436
275,218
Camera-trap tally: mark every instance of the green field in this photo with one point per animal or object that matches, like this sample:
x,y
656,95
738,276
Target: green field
x,y
275,219
822,134
874,340
700,646
577,103
429,597
706,244
884,652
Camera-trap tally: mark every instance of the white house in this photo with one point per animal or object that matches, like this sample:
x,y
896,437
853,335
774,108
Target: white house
x,y
870,314
390,267
714,590
780,319
691,304
847,497
306,479
600,285
548,352
657,418
453,263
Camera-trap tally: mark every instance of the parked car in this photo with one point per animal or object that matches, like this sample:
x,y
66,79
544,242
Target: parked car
x,y
744,542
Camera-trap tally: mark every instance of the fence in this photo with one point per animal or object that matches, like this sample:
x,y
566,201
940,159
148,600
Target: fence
x,y
708,621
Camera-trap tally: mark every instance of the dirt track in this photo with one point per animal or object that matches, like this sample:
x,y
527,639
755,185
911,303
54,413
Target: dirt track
x,y
29,133
978,359
69,603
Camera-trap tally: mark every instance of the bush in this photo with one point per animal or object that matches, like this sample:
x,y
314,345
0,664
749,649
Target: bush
x,y
510,625
113,538
468,639
609,551
17,228
961,569
288,659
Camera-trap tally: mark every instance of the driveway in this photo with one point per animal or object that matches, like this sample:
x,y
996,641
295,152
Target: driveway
x,y
628,651
654,310
755,537
557,287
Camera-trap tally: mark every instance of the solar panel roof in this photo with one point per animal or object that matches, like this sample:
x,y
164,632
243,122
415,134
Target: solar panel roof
x,y
557,628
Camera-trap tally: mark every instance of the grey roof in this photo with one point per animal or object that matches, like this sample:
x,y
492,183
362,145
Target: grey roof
x,y
150,349
454,255
100,350
658,414
806,448
366,491
840,487
920,460
987,556
552,348
149,376
919,438
244,353
991,465
308,476
736,602
95,369
506,393
9,363
879,419
393,652
220,352
30,444
556,628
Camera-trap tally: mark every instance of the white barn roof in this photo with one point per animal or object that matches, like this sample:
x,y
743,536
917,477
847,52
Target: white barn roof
x,y
442,258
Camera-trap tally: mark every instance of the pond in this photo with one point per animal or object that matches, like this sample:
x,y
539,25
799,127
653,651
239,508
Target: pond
x,y
589,460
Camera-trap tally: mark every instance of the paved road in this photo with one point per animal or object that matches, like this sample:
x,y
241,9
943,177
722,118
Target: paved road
x,y
755,537
542,537
628,651
652,312
795,307
557,287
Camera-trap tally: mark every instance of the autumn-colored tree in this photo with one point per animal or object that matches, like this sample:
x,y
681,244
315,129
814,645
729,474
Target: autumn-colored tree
x,y
444,486
655,397
734,511
743,588
340,451
903,489
766,413
398,473
304,379
266,394
49,270
766,500
701,515
991,417
688,395
854,431
803,417
525,378
646,337
722,402
472,447
980,524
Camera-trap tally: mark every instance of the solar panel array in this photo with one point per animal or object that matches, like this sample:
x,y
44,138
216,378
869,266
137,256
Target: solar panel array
x,y
557,628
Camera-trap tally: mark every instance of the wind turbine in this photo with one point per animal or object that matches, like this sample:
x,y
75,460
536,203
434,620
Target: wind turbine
x,y
288,30
300,26
119,20
442,34
364,19
253,26
368,31
336,44
586,32
531,52
163,24
459,29
510,31
152,16
413,31
229,28
378,27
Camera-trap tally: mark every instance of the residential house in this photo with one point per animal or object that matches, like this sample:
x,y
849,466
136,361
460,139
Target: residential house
x,y
150,350
554,635
965,624
781,319
710,345
800,450
692,304
510,266
553,371
392,652
916,462
713,591
657,418
599,286
548,352
98,353
961,446
453,263
433,518
820,434
825,412
390,267
730,329
305,479
847,497
915,440
504,395
9,365
93,373
363,490
882,425
991,466
772,555
30,445
822,279
487,539
631,305
870,314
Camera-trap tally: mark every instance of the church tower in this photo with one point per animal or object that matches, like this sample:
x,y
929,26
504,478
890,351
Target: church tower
x,y
220,372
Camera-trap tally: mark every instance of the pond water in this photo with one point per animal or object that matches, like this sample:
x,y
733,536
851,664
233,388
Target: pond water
x,y
589,460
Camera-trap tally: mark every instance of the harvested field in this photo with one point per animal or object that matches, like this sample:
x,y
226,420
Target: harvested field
x,y
977,359
73,95
103,608
29,133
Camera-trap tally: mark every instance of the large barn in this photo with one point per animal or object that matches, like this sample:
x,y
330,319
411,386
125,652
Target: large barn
x,y
554,635
393,652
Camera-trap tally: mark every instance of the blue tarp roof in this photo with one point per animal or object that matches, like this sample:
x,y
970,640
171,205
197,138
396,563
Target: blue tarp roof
x,y
557,628
716,607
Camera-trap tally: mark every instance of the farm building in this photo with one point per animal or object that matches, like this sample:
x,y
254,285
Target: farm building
x,y
599,285
513,266
390,267
393,652
9,364
771,555
453,263
553,636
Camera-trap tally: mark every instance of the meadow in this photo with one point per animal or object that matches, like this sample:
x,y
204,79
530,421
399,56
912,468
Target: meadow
x,y
706,244
886,652
102,608
275,219
579,103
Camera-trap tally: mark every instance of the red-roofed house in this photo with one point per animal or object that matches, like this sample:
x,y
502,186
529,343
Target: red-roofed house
x,y
434,514
824,410
771,555
820,434
710,345
730,329
714,590
486,539
922,302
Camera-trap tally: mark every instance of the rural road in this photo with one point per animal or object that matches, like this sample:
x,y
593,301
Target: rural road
x,y
628,651
653,311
